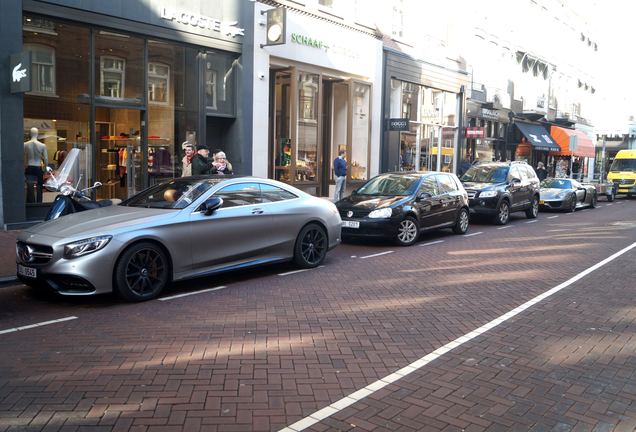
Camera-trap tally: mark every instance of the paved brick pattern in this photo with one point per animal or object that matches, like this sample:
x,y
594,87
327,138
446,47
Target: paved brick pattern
x,y
269,350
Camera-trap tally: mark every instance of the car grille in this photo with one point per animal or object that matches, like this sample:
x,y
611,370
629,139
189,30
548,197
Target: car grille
x,y
33,253
356,213
624,182
471,194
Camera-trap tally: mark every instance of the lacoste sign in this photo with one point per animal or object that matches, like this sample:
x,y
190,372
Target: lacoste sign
x,y
20,67
226,28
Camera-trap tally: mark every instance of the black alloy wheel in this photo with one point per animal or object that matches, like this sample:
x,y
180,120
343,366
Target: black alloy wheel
x,y
408,231
594,201
572,203
311,246
462,223
503,213
142,272
533,211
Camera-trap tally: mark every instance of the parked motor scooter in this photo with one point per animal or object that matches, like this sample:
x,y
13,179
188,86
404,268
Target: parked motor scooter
x,y
71,199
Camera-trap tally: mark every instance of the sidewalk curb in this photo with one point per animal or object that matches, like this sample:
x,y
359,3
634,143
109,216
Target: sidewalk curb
x,y
8,280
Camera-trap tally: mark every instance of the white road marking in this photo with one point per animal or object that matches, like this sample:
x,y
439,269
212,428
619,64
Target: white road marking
x,y
418,364
473,234
532,221
504,227
375,255
15,329
354,256
552,217
298,271
609,204
432,243
191,293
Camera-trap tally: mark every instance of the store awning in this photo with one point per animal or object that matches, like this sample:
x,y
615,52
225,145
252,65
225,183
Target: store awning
x,y
581,144
537,136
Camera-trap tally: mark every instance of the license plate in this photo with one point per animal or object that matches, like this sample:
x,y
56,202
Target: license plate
x,y
350,224
29,272
541,202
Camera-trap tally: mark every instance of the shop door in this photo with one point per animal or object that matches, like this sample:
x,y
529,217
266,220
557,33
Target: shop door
x,y
335,128
119,157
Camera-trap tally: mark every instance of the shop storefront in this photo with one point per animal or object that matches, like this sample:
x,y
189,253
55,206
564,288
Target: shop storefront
x,y
321,89
429,101
530,141
486,130
576,155
130,85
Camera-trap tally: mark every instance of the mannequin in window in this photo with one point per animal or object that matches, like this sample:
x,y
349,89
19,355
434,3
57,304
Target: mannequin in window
x,y
36,159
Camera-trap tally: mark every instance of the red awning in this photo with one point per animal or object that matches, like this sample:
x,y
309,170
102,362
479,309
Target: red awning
x,y
563,137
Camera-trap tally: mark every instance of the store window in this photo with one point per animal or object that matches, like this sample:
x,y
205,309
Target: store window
x,y
112,76
220,82
307,150
43,69
119,59
158,83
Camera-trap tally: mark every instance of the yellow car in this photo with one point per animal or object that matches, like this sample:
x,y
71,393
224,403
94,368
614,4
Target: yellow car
x,y
623,172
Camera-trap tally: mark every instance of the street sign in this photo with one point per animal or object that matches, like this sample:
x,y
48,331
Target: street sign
x,y
276,27
20,72
399,124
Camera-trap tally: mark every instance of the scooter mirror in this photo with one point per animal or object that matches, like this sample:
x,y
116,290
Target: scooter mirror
x,y
97,184
49,169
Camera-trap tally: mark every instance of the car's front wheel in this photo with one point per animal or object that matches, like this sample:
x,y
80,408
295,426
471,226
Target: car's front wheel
x,y
142,272
311,246
462,223
533,211
408,231
503,213
572,203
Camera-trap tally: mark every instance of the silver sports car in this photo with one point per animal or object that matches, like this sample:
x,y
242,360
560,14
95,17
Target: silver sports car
x,y
566,194
188,227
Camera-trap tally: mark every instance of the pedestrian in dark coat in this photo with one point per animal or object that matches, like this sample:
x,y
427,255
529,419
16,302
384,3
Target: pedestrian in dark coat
x,y
200,161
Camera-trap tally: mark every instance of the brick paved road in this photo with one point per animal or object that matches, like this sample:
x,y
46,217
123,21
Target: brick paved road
x,y
269,350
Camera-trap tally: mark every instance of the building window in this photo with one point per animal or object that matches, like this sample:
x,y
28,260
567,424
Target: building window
x,y
158,83
210,86
112,74
43,66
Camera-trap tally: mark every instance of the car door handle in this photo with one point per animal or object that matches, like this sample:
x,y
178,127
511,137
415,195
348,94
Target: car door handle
x,y
257,211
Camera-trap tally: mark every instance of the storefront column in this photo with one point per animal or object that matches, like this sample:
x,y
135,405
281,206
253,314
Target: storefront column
x,y
12,197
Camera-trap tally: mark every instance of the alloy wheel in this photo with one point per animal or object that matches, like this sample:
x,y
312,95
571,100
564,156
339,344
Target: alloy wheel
x,y
145,272
504,213
407,231
313,246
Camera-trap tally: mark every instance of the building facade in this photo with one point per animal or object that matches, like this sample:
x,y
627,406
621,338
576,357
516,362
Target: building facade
x,y
129,83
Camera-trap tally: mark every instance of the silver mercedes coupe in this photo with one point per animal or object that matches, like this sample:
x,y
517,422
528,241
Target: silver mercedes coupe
x,y
184,228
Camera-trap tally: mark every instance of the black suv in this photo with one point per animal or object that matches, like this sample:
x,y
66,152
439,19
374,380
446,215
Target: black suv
x,y
499,188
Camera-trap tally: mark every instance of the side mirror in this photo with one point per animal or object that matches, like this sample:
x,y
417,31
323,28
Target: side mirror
x,y
424,196
49,169
211,205
515,180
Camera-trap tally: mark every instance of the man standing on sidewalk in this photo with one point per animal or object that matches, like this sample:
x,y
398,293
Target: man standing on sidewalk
x,y
340,171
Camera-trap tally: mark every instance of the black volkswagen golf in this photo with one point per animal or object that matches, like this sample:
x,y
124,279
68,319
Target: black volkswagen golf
x,y
400,205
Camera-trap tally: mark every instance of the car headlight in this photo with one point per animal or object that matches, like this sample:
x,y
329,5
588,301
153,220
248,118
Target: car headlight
x,y
488,194
86,246
381,213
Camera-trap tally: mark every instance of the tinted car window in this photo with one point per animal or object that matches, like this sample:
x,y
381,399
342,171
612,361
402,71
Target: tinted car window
x,y
240,194
556,183
514,173
531,174
389,184
176,194
429,185
270,193
486,174
446,184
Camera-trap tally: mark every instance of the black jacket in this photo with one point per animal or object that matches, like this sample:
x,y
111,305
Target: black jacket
x,y
200,165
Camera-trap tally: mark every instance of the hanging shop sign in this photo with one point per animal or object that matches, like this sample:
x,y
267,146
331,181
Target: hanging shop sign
x,y
227,28
399,124
489,114
20,72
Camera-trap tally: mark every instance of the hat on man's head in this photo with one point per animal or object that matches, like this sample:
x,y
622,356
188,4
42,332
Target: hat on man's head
x,y
203,147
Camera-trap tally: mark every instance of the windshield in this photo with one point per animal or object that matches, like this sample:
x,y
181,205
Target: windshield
x,y
554,183
623,165
486,174
67,173
389,184
177,194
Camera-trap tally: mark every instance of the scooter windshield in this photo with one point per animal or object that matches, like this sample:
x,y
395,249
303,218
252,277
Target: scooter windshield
x,y
67,173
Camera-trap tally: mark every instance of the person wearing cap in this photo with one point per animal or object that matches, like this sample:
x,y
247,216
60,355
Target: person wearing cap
x,y
200,162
